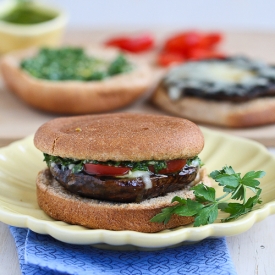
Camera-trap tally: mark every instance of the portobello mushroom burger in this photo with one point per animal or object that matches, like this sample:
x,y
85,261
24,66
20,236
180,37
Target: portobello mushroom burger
x,y
117,171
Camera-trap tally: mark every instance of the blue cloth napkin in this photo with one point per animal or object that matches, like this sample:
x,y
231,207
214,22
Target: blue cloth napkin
x,y
41,254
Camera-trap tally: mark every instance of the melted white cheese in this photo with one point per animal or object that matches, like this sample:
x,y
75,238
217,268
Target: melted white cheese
x,y
147,181
196,180
145,175
234,76
213,72
71,166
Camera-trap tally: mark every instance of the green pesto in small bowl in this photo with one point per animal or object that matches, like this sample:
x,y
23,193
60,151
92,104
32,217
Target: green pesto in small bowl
x,y
72,63
26,13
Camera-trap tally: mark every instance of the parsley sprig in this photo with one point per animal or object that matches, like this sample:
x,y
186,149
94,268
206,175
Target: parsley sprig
x,y
206,206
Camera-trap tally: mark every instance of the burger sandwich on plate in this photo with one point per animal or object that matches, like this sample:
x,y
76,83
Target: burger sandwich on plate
x,y
117,171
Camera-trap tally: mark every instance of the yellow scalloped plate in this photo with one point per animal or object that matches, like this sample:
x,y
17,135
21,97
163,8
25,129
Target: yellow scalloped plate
x,y
21,161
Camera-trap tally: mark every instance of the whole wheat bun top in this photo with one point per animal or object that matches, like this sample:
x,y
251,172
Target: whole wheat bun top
x,y
120,137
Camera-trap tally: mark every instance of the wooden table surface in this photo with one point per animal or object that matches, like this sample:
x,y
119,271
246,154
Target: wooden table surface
x,y
253,251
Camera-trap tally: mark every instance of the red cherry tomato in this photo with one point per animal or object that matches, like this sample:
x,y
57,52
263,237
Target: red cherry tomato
x,y
166,59
105,170
182,41
172,166
133,44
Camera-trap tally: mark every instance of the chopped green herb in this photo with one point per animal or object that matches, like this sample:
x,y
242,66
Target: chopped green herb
x,y
77,165
205,206
196,161
119,65
69,63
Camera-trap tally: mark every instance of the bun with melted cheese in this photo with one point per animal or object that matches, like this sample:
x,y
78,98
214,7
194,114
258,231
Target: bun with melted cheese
x,y
234,92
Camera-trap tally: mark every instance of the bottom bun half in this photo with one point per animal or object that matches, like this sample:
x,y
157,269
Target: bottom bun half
x,y
254,112
63,205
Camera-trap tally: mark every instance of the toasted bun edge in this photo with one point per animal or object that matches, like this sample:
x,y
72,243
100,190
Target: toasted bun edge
x,y
255,112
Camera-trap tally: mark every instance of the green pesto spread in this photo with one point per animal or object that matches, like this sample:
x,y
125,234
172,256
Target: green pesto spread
x,y
26,14
70,63
77,165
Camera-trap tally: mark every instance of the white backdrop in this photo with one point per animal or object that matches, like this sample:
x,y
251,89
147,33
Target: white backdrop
x,y
208,14
203,14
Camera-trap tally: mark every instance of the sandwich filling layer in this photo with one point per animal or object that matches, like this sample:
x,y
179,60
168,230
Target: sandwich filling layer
x,y
123,181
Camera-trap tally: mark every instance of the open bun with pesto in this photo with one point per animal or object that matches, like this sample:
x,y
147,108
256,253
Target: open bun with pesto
x,y
233,92
117,171
73,80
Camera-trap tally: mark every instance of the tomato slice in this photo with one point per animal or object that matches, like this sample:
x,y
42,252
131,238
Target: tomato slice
x,y
105,170
172,166
182,41
210,40
133,44
199,54
190,45
166,59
